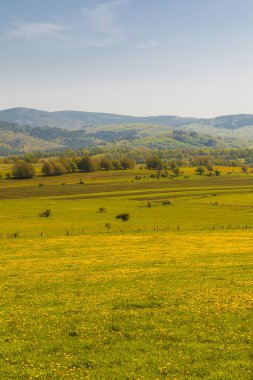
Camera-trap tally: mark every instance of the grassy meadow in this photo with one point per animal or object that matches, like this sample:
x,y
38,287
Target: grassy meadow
x,y
165,295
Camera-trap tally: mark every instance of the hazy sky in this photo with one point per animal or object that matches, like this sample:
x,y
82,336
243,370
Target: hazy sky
x,y
140,57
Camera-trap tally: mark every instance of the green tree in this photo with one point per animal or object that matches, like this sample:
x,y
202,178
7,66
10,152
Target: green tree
x,y
200,170
87,164
116,165
47,168
22,169
127,163
244,168
154,162
106,164
59,167
176,171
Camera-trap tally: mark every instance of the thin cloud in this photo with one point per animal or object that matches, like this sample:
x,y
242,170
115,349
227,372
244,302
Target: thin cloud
x,y
33,30
95,26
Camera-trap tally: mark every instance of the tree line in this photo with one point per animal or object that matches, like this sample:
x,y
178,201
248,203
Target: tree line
x,y
178,157
22,169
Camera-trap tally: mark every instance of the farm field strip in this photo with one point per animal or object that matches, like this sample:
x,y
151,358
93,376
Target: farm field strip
x,y
89,188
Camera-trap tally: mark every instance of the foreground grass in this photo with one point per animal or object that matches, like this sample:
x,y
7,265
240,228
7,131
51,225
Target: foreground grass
x,y
134,306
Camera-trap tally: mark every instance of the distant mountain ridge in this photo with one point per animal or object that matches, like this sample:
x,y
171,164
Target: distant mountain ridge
x,y
76,120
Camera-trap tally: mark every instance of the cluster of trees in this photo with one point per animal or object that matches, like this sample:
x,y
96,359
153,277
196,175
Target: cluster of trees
x,y
23,169
58,166
209,169
84,164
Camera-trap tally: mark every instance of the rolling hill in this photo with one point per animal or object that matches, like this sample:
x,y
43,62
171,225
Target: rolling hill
x,y
77,120
23,130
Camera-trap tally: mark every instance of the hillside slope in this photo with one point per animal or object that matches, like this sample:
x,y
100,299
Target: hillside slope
x,y
15,139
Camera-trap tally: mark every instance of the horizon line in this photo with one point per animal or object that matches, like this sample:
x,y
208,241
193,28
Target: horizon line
x,y
127,115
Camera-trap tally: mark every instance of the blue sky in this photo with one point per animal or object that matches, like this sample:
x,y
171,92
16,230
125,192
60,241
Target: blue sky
x,y
184,57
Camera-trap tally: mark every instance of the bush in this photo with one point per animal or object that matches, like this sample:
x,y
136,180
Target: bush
x,y
124,217
45,214
176,171
108,226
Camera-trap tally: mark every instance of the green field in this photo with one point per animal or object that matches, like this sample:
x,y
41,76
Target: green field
x,y
165,295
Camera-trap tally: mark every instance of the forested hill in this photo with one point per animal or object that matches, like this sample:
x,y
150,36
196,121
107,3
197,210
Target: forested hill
x,y
77,120
15,139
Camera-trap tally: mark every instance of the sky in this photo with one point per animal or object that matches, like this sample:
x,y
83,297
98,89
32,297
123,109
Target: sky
x,y
135,57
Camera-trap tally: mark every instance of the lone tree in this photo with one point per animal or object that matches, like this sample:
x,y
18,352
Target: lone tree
x,y
200,170
21,170
154,162
244,168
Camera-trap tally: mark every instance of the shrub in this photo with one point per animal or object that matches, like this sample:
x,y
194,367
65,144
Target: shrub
x,y
176,171
124,217
108,226
45,214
